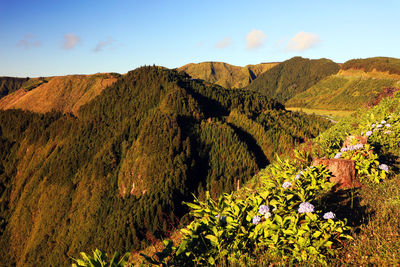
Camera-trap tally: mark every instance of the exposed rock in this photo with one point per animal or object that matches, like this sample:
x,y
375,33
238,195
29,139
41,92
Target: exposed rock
x,y
343,171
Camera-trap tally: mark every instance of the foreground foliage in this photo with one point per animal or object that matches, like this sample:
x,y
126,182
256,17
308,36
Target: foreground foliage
x,y
285,217
101,259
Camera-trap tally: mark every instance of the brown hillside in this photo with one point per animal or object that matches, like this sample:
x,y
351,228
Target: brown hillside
x,y
226,75
62,93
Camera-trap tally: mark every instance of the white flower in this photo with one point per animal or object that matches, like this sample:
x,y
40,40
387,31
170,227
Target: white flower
x,y
286,185
267,215
338,155
263,209
329,215
384,167
306,207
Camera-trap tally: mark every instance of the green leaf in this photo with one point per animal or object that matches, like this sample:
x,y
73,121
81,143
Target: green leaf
x,y
213,239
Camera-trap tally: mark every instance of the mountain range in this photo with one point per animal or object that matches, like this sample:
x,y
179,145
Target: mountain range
x,y
106,160
113,173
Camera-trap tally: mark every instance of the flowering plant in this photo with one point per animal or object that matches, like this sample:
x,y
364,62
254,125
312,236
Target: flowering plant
x,y
287,221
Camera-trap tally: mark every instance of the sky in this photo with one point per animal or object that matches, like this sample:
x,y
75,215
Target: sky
x,y
60,37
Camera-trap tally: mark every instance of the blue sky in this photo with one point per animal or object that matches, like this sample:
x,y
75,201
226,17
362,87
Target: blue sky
x,y
56,37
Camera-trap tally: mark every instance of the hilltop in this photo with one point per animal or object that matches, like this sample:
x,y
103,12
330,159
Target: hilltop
x,y
224,74
357,84
292,77
60,93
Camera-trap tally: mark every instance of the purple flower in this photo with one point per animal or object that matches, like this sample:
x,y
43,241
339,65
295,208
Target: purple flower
x,y
358,146
263,209
338,155
286,185
297,177
384,167
256,220
373,125
387,132
306,207
329,215
379,126
387,125
383,121
369,133
344,149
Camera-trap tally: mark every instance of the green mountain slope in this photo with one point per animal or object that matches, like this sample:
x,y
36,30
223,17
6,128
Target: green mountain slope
x,y
351,88
292,77
226,75
116,175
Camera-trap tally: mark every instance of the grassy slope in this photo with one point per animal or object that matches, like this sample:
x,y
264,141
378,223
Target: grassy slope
x,y
374,210
292,77
226,75
61,93
356,85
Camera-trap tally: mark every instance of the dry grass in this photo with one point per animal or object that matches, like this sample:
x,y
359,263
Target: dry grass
x,y
62,93
377,238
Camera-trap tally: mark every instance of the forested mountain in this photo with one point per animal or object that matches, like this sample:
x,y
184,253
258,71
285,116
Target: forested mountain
x,y
358,84
292,77
116,174
226,75
61,93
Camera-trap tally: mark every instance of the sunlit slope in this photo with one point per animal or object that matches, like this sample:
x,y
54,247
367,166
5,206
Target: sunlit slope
x,y
226,75
348,90
60,93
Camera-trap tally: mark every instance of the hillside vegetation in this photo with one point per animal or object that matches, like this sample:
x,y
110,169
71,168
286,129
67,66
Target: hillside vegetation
x,y
292,77
293,217
350,89
226,75
115,175
382,64
61,93
10,84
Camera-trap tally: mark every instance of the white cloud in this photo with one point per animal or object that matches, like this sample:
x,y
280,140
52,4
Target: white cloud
x,y
303,41
255,39
224,43
70,41
28,41
101,44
